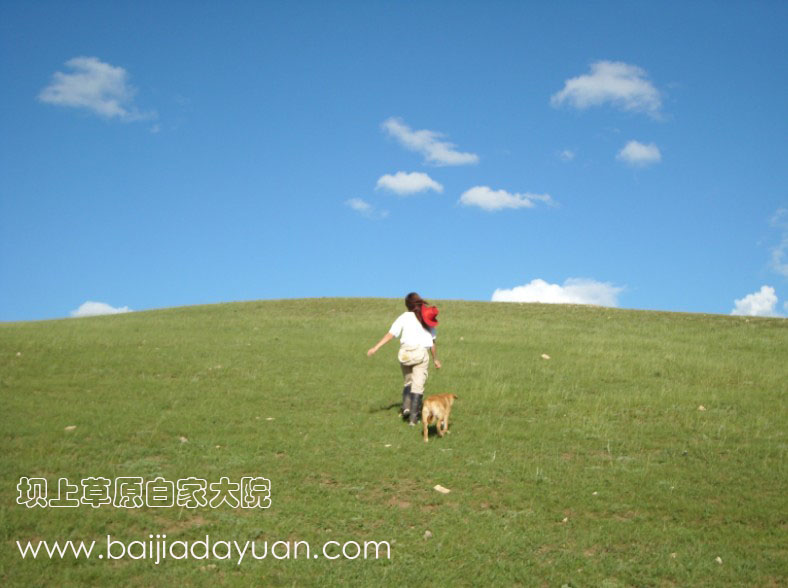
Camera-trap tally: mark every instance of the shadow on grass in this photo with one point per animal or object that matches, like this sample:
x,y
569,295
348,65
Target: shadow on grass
x,y
384,408
432,432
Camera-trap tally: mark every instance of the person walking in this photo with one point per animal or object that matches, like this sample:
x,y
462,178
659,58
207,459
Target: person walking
x,y
415,329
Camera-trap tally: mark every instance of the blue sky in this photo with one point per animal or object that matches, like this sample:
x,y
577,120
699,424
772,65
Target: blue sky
x,y
158,154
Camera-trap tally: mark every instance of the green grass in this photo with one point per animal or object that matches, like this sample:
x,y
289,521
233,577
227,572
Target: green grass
x,y
593,468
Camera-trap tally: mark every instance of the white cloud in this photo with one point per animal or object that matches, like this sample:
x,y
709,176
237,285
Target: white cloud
x,y
567,155
621,84
780,251
779,254
639,154
97,308
427,143
760,303
408,183
96,86
359,205
364,208
574,291
492,200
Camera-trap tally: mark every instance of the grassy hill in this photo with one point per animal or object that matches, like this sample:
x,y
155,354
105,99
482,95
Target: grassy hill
x,y
648,450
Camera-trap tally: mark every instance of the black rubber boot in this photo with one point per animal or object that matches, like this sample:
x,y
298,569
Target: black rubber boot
x,y
406,395
415,408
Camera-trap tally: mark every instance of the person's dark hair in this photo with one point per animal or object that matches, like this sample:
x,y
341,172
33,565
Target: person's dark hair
x,y
414,302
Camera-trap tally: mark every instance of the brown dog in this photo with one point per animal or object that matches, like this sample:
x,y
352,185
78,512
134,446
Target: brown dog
x,y
436,410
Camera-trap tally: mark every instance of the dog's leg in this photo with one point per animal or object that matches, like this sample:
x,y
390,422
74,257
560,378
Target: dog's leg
x,y
424,420
438,427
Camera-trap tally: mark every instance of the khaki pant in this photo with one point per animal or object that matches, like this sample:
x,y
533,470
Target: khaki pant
x,y
416,375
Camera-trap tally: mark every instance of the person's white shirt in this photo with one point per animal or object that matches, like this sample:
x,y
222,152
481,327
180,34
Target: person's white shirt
x,y
410,332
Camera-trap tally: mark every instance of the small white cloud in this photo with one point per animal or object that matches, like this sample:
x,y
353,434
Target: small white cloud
x,y
492,200
574,291
639,154
408,183
96,86
427,143
364,208
779,254
567,155
620,84
779,262
359,205
90,308
760,303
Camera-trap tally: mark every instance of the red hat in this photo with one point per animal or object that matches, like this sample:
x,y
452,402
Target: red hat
x,y
429,314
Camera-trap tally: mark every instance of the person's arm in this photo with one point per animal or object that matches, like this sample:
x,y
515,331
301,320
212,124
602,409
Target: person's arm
x,y
386,338
434,351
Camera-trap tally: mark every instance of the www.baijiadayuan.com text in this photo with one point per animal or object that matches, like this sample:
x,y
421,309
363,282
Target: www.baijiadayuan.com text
x,y
157,549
